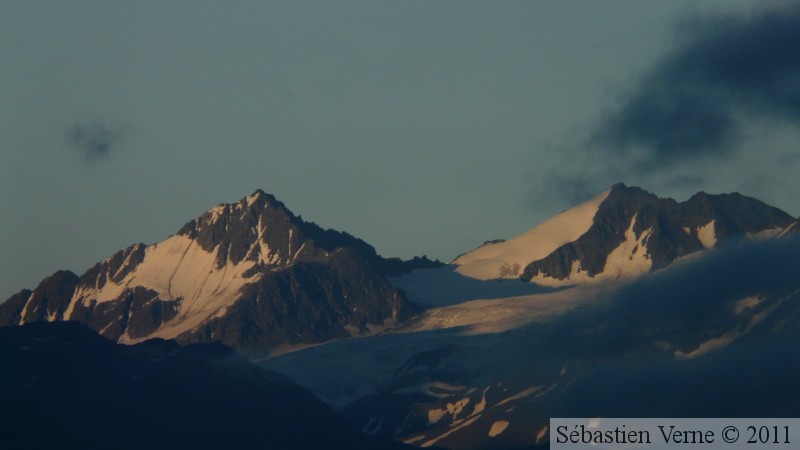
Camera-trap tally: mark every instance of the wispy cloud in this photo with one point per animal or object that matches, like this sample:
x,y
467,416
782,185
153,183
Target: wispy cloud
x,y
94,141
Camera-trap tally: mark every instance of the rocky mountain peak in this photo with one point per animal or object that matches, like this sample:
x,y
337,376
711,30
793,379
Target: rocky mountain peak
x,y
260,228
250,273
622,233
634,231
234,229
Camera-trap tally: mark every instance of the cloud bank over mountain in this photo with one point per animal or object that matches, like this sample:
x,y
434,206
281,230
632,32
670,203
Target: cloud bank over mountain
x,y
727,78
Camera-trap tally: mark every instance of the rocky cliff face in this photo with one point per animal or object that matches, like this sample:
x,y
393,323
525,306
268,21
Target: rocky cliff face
x,y
249,274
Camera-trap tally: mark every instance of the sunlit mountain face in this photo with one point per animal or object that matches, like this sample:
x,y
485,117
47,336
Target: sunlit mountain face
x,y
249,274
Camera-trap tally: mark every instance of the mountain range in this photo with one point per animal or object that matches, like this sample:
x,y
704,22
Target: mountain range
x,y
624,305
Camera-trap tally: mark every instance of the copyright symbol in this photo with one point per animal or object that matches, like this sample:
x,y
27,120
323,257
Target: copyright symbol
x,y
730,435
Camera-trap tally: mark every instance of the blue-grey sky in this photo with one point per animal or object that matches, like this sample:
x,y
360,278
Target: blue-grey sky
x,y
421,127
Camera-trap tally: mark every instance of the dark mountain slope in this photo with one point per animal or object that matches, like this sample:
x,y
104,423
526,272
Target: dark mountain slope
x,y
64,386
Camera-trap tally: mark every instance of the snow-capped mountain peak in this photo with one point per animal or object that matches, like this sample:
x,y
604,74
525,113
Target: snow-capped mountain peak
x,y
622,233
249,273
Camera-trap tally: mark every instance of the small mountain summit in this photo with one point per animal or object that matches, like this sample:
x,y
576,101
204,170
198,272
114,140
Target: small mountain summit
x,y
250,274
621,233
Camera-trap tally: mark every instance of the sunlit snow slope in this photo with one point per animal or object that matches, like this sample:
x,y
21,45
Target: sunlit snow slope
x,y
507,259
250,274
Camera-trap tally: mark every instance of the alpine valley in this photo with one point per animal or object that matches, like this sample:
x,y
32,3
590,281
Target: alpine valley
x,y
627,305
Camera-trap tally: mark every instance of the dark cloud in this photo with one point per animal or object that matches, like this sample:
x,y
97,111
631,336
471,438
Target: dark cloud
x,y
688,297
623,372
724,70
624,354
726,79
93,140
